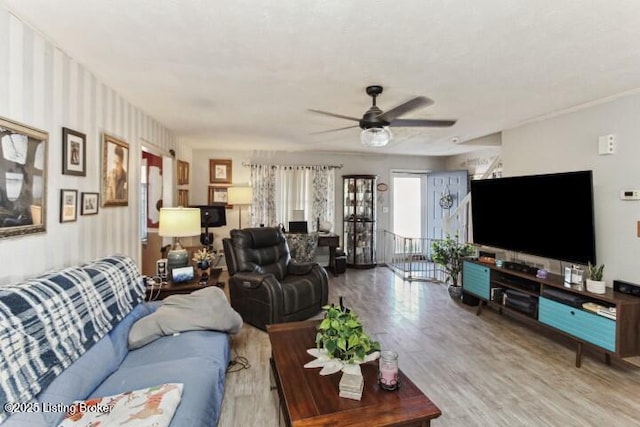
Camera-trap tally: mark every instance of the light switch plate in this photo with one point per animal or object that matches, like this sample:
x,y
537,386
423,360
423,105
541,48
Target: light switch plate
x,y
606,144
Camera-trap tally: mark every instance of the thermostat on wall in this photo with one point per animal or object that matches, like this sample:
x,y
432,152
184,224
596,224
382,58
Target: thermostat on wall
x,y
630,194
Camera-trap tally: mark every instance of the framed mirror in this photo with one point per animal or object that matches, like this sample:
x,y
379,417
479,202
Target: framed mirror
x,y
23,161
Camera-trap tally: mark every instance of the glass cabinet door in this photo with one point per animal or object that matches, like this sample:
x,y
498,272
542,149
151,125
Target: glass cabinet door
x,y
359,223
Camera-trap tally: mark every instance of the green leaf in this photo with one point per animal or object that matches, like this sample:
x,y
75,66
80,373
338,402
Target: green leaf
x,y
342,344
325,324
354,340
330,346
352,323
335,324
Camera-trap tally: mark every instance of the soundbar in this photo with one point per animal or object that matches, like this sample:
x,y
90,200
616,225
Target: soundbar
x,y
523,268
626,288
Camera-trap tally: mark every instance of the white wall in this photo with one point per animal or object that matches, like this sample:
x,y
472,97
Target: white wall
x,y
359,163
570,142
43,87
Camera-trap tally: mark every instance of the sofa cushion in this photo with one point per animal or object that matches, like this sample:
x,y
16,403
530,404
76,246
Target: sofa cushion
x,y
300,292
120,334
79,379
204,309
198,359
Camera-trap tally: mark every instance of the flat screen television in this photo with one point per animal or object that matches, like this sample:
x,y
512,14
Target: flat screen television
x,y
212,215
548,215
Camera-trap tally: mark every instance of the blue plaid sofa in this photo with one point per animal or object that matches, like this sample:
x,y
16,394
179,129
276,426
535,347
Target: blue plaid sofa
x,y
64,337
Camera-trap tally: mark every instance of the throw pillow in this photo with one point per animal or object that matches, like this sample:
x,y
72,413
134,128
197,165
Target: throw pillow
x,y
153,406
303,246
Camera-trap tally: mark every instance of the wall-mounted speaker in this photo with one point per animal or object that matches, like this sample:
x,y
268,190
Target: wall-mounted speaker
x,y
626,288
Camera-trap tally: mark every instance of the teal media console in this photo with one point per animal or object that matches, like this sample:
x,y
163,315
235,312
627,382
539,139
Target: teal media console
x,y
616,331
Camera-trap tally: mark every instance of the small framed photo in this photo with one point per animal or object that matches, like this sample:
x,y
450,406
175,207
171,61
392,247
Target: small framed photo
x,y
218,195
74,155
68,205
182,274
183,173
183,198
89,203
219,171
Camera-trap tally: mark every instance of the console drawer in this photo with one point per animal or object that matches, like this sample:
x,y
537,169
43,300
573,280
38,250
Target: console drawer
x,y
589,327
476,279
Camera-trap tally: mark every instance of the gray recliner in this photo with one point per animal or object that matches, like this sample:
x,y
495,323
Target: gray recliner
x,y
265,285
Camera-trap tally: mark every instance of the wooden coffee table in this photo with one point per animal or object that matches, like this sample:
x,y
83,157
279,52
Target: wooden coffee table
x,y
309,399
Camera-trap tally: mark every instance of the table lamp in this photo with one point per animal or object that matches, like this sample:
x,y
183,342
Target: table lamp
x,y
176,223
241,196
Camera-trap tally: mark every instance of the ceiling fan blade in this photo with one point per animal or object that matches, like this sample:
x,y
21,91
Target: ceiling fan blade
x,y
340,116
334,130
422,123
417,102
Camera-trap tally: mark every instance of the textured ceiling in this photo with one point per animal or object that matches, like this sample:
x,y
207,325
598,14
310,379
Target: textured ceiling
x,y
242,74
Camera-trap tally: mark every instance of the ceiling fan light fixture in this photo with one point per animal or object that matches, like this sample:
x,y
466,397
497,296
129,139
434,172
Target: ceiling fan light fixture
x,y
376,136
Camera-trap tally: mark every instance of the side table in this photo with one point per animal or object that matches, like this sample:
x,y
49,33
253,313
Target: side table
x,y
159,292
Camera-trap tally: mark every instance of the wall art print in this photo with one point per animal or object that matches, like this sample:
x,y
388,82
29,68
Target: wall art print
x,y
115,167
23,173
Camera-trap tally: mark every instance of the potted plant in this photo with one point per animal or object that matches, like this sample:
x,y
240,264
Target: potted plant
x,y
449,253
342,336
595,284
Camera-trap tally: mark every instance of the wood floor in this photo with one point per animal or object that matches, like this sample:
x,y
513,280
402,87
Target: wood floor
x,y
490,370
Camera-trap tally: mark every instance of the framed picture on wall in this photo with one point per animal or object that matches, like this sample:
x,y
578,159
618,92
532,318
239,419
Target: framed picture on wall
x,y
23,175
183,198
88,203
183,172
68,205
219,171
115,165
74,157
218,195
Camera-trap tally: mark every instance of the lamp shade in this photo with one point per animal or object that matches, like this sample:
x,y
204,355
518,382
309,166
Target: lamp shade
x,y
239,195
376,137
179,222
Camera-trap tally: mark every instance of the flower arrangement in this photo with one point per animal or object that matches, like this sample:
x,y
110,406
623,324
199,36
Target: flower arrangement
x,y
202,257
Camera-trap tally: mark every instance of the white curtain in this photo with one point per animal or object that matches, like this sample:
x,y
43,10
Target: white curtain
x,y
263,208
279,190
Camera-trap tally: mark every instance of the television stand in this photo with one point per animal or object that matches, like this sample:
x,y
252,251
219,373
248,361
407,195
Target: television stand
x,y
566,309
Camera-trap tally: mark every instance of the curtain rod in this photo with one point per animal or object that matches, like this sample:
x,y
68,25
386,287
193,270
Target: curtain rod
x,y
292,166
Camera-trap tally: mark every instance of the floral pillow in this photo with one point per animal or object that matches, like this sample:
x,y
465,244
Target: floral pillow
x,y
153,406
303,246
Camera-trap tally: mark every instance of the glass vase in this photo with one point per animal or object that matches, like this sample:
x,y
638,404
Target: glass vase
x,y
388,370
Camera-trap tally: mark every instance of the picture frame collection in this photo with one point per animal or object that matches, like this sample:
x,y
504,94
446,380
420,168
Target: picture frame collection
x,y
220,178
24,163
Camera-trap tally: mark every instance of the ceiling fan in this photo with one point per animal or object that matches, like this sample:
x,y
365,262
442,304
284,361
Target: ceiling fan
x,y
375,123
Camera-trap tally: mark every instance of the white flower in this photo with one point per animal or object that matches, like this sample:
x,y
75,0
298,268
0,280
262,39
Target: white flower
x,y
331,365
202,255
